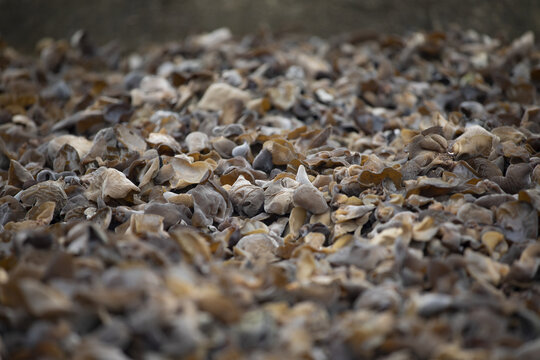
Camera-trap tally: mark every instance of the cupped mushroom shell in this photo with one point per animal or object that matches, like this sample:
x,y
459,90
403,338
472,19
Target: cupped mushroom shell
x,y
107,182
247,198
350,212
79,143
164,143
223,146
483,268
278,196
309,198
425,230
364,256
281,150
42,192
475,141
18,175
129,138
197,141
187,173
217,95
153,89
211,204
284,96
263,161
475,213
429,142
259,246
42,300
517,178
518,219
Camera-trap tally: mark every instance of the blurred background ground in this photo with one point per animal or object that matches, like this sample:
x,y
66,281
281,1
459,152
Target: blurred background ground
x,y
138,22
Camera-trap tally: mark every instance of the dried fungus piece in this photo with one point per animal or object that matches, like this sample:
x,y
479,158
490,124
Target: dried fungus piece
x,y
309,198
217,95
425,230
247,198
474,213
79,143
223,146
368,178
129,138
432,304
485,168
263,161
18,176
493,200
492,240
430,142
153,89
42,300
84,122
185,172
242,151
282,152
108,183
259,246
379,298
214,38
526,267
43,213
140,224
10,210
193,244
164,144
475,141
284,96
278,196
517,178
43,192
197,141
483,268
297,219
350,212
518,220
364,324
362,255
211,203
172,213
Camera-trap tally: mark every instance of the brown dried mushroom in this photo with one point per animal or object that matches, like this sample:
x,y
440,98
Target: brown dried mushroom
x,y
271,197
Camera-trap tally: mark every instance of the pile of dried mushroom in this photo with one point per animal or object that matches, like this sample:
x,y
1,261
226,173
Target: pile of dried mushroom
x,y
271,199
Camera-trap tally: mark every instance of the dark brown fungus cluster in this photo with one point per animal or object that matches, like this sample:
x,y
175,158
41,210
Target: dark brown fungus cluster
x,y
291,198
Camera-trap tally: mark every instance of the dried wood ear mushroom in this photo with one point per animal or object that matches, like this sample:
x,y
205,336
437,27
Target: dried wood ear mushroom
x,y
291,197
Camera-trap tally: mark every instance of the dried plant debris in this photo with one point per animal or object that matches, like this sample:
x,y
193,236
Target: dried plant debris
x,y
361,197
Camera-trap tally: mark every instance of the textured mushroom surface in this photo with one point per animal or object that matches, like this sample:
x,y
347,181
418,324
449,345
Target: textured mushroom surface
x,y
271,198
